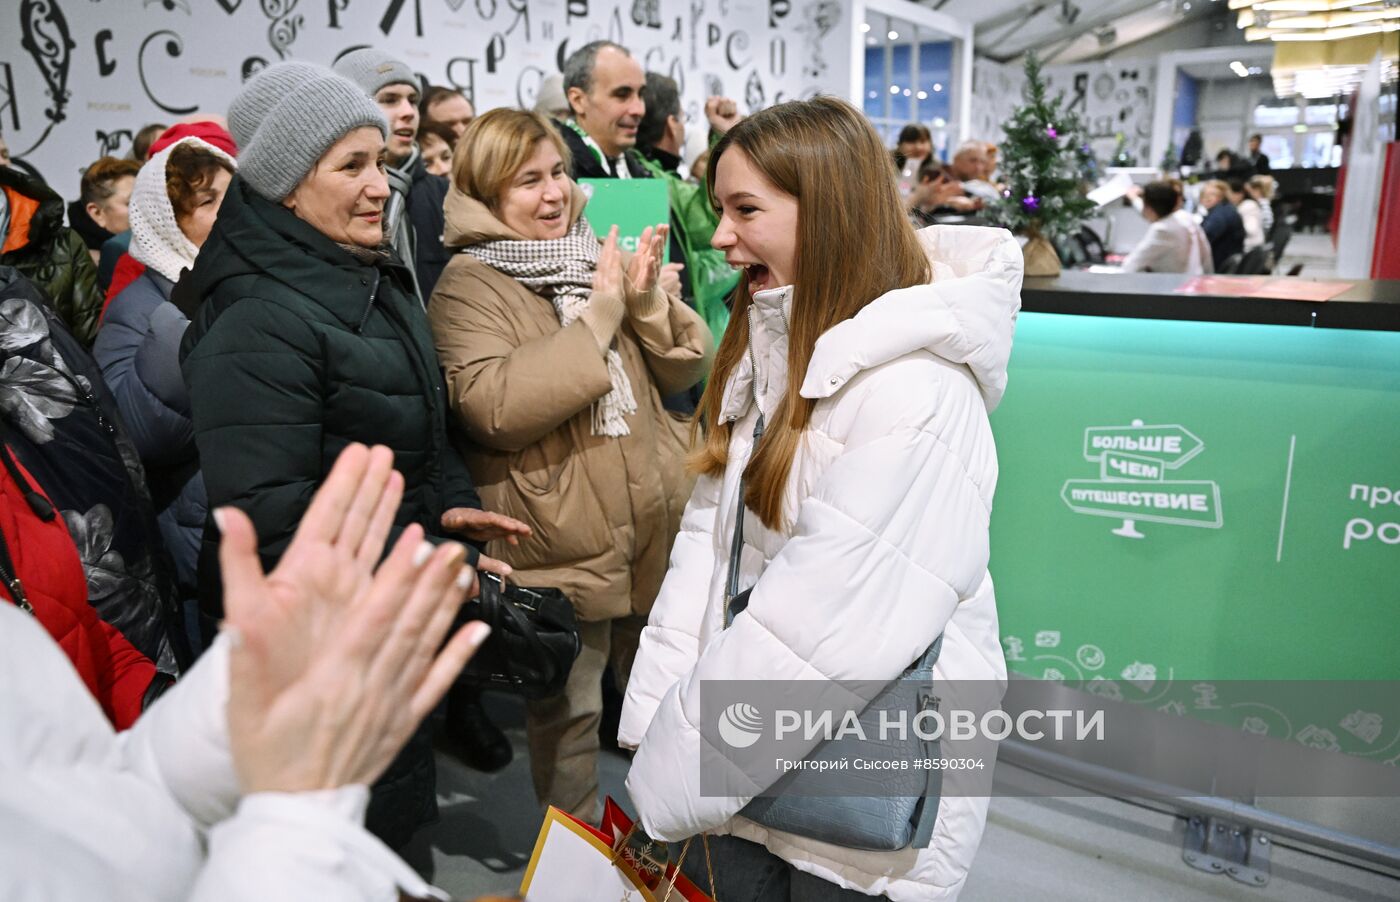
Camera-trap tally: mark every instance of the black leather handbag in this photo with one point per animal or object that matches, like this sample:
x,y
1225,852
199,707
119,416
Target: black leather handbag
x,y
533,643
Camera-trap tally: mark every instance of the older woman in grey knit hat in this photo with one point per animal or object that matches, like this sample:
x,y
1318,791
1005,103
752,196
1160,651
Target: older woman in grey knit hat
x,y
306,337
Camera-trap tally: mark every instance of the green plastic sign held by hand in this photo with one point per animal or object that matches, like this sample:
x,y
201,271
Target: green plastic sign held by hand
x,y
630,204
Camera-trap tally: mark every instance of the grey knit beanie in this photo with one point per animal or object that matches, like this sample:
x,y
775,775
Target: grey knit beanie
x,y
373,69
295,112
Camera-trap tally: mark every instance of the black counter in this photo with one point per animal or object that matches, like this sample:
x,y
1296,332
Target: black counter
x,y
1367,304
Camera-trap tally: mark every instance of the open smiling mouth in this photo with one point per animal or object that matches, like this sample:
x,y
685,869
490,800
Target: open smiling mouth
x,y
758,276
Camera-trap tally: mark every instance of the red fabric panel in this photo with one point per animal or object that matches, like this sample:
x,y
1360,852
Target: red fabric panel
x,y
51,573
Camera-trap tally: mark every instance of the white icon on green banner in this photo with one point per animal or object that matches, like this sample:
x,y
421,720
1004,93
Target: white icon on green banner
x,y
1132,483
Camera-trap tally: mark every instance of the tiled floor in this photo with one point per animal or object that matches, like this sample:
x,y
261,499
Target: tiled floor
x,y
1045,849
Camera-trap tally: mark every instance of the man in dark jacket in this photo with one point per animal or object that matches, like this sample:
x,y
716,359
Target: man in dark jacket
x,y
34,240
413,217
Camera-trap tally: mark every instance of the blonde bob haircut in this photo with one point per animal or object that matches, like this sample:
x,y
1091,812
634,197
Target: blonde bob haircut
x,y
854,244
495,146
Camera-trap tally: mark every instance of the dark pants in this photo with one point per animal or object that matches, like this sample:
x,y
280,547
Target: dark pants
x,y
746,872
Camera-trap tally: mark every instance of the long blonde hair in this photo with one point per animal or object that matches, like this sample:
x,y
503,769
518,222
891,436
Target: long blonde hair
x,y
854,244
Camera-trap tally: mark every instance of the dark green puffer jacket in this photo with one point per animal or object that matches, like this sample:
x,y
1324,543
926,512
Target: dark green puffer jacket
x,y
296,349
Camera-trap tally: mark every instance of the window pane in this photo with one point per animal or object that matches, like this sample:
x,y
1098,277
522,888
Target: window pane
x,y
1317,149
1279,150
1318,114
1275,116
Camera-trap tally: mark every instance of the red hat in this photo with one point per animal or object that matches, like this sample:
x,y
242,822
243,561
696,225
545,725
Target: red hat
x,y
211,132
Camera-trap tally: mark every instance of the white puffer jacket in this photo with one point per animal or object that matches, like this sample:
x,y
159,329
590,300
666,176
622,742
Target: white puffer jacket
x,y
889,504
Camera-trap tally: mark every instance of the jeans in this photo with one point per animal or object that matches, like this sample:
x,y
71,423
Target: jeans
x,y
747,872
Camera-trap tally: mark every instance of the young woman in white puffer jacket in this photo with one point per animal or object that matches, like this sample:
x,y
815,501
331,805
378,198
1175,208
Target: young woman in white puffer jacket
x,y
874,354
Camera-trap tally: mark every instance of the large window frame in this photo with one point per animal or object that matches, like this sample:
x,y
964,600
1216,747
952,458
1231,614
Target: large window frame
x,y
929,25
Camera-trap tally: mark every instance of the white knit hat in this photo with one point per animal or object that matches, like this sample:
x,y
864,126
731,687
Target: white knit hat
x,y
156,239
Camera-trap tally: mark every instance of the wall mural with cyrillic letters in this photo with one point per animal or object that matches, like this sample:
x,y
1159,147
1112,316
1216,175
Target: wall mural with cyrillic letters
x,y
78,78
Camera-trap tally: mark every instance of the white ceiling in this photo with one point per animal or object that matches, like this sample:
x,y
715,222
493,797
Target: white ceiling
x,y
1006,29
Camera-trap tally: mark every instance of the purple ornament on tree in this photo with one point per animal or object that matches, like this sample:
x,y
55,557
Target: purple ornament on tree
x,y
1030,202
1050,130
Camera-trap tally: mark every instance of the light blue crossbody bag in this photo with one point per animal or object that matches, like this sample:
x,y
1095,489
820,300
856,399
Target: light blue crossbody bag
x,y
877,823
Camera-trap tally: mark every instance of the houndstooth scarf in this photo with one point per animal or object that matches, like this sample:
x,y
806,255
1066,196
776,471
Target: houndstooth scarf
x,y
562,269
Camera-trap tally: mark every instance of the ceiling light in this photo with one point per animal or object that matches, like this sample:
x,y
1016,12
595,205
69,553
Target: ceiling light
x,y
864,27
907,92
1314,20
894,89
923,95
893,35
937,87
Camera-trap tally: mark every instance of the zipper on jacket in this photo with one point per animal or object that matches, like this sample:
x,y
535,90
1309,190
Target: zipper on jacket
x,y
369,305
738,550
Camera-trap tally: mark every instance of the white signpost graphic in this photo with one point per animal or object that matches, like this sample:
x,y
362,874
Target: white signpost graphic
x,y
1132,483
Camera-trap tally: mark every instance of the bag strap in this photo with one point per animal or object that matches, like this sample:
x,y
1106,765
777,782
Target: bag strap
x,y
496,607
736,546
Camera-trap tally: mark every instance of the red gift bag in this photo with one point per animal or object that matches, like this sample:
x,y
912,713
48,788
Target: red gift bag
x,y
576,862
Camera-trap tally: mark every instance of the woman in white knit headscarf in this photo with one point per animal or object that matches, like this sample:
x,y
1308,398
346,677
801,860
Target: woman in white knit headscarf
x,y
172,209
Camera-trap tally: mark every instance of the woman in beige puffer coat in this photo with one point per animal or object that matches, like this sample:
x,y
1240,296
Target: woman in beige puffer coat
x,y
556,362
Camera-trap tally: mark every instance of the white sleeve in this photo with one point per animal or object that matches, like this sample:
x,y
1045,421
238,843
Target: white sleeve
x,y
1151,252
894,535
181,742
300,846
670,642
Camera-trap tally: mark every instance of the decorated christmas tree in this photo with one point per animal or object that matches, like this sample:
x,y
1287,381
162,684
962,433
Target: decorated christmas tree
x,y
1048,165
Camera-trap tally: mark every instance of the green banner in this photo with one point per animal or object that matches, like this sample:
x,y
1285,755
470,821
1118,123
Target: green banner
x,y
632,205
1184,501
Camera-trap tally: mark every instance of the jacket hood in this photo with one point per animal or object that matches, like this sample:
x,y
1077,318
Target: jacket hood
x,y
468,221
47,218
966,315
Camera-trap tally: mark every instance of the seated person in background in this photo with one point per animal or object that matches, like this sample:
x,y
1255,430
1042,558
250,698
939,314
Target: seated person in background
x,y
915,145
435,142
1174,242
1261,188
970,166
1222,224
1230,164
1250,213
938,193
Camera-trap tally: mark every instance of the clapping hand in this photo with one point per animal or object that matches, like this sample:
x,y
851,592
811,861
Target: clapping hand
x,y
334,661
645,269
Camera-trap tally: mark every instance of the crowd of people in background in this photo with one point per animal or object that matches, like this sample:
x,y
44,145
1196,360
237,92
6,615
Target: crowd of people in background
x,y
1230,215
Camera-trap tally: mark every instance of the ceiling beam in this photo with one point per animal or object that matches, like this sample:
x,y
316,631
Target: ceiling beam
x,y
1084,24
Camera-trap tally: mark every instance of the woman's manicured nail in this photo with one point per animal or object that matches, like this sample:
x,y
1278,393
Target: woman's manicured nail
x,y
220,519
425,551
